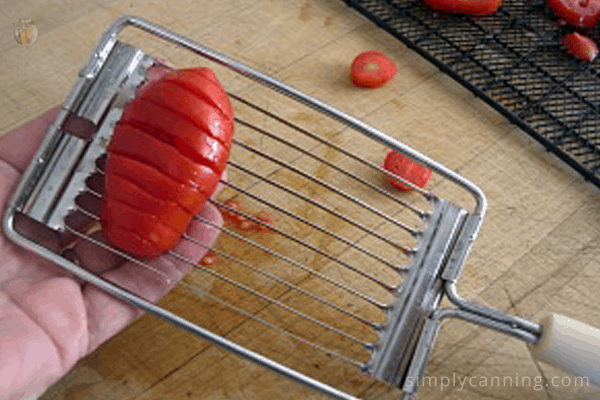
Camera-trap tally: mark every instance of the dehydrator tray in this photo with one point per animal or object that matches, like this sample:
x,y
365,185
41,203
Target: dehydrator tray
x,y
512,60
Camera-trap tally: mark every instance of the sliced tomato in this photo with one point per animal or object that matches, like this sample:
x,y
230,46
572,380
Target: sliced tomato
x,y
474,7
372,69
580,46
406,168
579,13
165,160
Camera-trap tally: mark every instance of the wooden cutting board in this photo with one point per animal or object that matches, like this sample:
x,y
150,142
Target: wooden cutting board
x,y
538,251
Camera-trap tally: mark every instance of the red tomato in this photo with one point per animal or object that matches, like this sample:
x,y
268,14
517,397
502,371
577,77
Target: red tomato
x,y
475,7
579,13
233,205
405,168
372,69
580,47
209,259
164,161
231,217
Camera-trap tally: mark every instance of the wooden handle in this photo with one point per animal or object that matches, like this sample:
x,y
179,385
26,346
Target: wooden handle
x,y
571,346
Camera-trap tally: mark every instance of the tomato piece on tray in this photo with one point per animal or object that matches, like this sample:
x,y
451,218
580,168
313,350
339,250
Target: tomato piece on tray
x,y
372,69
473,7
578,13
580,46
406,168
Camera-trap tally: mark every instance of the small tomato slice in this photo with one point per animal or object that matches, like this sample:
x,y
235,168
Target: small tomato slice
x,y
474,7
209,259
233,205
372,69
581,47
405,168
578,13
266,220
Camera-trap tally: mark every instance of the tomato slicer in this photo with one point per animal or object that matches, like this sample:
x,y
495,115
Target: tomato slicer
x,y
351,274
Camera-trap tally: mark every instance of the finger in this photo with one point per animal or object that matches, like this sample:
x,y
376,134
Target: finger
x,y
57,308
37,231
26,226
109,315
94,257
19,146
9,179
154,74
28,359
220,186
81,220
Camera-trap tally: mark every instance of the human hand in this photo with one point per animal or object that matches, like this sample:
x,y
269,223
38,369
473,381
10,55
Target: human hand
x,y
48,319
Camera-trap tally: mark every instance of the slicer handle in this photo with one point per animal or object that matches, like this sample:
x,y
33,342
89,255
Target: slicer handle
x,y
571,346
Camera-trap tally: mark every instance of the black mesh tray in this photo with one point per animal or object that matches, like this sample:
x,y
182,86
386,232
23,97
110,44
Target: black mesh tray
x,y
513,60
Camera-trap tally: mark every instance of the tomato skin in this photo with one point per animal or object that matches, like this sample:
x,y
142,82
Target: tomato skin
x,y
136,143
372,69
579,46
184,136
201,112
578,13
165,159
474,7
167,211
156,183
406,168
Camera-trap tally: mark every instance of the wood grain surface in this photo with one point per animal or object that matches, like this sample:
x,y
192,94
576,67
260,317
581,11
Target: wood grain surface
x,y
538,251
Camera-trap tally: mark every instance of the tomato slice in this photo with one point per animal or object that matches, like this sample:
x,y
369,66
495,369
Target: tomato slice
x,y
475,7
581,47
579,13
240,221
209,259
405,168
372,69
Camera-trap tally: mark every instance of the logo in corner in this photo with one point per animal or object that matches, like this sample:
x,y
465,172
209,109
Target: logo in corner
x,y
25,31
